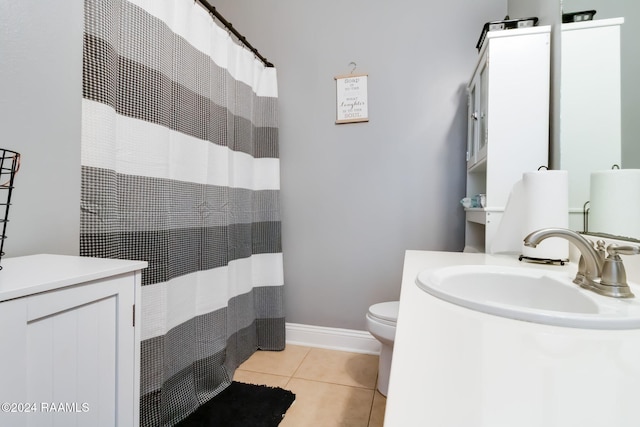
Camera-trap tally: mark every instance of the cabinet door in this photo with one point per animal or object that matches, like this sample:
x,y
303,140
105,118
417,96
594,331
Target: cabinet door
x,y
72,356
472,127
483,115
478,110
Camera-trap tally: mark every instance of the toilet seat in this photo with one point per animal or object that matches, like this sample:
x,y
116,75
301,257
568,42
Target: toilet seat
x,y
385,312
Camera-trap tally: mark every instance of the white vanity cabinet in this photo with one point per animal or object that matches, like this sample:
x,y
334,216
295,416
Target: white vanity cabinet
x,y
508,125
70,350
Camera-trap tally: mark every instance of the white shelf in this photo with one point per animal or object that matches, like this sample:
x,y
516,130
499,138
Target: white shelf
x,y
508,131
477,215
480,165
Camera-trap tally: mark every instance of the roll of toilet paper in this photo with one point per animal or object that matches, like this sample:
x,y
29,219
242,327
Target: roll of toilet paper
x,y
546,198
614,204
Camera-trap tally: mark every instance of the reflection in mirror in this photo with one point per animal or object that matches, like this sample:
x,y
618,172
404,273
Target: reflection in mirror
x,y
611,147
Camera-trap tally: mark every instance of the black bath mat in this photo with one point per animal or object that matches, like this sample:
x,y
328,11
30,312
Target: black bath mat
x,y
242,405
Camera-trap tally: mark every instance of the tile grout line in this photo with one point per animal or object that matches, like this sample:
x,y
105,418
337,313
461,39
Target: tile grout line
x,y
334,383
290,377
373,400
293,375
309,350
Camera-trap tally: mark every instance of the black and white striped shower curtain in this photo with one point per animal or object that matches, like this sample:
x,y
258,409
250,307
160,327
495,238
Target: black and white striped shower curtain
x,y
180,168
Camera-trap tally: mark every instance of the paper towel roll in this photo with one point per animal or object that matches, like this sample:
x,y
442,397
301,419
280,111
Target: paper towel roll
x,y
509,234
546,196
614,204
539,200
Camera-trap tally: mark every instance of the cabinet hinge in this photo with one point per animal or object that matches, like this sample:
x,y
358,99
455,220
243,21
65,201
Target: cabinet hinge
x,y
133,315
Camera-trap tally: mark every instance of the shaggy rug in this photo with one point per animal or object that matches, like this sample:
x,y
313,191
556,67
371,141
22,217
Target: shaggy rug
x,y
242,405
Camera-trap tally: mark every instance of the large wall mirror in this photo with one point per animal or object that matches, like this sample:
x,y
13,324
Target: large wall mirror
x,y
584,154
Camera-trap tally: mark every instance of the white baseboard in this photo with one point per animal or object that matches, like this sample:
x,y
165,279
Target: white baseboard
x,y
332,338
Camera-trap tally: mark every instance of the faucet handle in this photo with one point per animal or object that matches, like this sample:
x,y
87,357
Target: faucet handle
x,y
614,250
614,276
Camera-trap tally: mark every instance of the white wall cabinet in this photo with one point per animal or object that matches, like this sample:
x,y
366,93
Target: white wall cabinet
x,y
508,130
70,343
590,106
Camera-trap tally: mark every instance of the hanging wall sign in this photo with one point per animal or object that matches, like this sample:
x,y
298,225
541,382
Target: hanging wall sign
x,y
351,98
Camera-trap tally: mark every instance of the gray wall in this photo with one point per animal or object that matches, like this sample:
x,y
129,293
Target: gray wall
x,y
40,103
356,196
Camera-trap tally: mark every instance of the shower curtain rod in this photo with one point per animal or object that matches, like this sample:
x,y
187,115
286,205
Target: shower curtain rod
x,y
239,36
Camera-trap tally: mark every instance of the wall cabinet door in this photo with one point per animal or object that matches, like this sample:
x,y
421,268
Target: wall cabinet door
x,y
478,104
483,133
472,128
69,356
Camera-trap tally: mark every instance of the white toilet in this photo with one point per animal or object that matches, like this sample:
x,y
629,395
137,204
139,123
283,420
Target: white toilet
x,y
381,323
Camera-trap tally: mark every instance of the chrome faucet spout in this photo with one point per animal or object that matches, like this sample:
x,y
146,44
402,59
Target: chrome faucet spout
x,y
593,263
603,276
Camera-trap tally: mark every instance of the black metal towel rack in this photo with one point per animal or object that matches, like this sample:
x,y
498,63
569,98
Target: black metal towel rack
x,y
229,26
9,165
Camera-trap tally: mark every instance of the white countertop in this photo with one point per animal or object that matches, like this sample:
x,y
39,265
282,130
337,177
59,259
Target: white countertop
x,y
407,401
404,401
32,274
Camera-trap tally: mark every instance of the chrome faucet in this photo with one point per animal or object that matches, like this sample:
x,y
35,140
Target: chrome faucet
x,y
600,250
613,272
605,276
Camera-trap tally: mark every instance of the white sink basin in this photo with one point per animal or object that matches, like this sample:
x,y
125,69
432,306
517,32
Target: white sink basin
x,y
529,294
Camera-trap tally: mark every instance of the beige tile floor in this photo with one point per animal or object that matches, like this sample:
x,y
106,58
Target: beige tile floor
x,y
332,388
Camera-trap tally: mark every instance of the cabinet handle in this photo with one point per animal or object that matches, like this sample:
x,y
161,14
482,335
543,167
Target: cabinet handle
x,y
474,116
